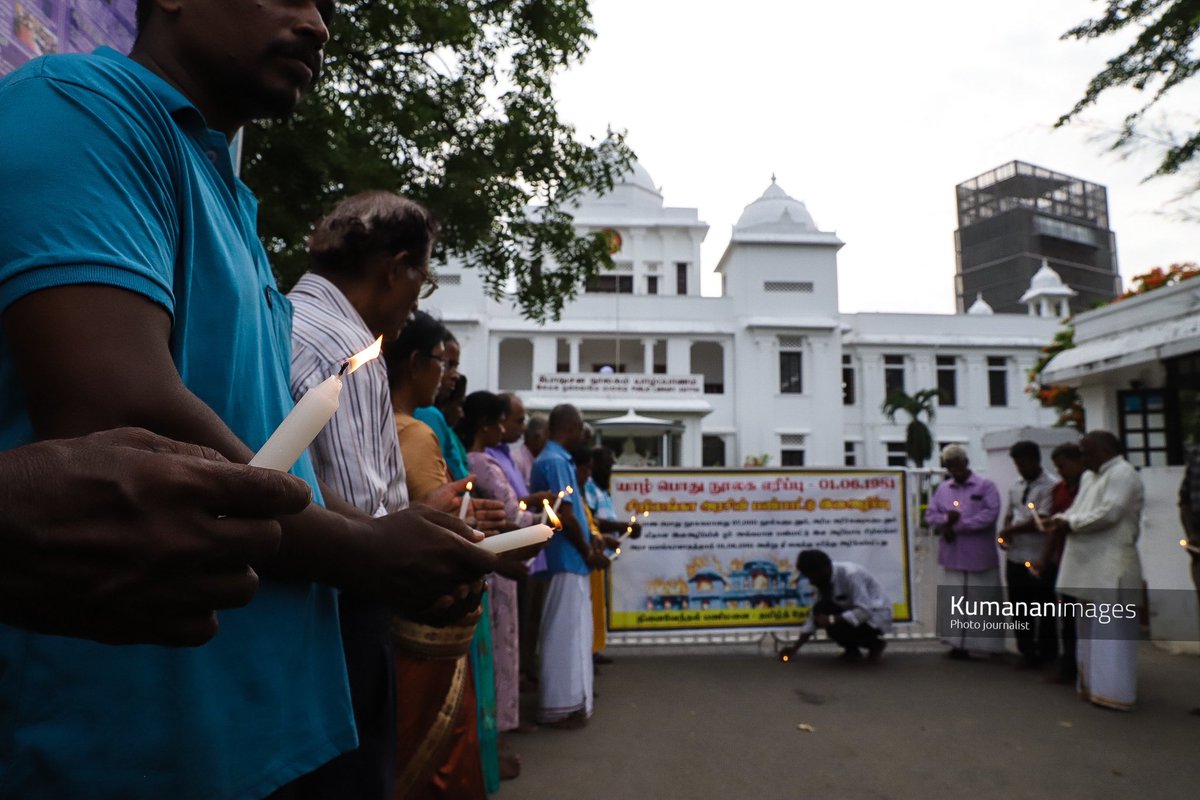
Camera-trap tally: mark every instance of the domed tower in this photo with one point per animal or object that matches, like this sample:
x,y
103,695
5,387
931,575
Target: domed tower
x,y
1047,295
779,260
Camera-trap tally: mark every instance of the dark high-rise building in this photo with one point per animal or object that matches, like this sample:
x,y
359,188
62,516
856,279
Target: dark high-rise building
x,y
1012,217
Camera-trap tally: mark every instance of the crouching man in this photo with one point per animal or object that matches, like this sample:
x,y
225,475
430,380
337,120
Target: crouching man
x,y
851,607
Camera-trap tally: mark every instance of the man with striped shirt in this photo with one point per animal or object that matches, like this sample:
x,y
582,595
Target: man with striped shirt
x,y
370,261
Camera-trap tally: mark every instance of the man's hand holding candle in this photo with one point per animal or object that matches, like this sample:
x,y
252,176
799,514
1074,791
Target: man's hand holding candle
x,y
127,537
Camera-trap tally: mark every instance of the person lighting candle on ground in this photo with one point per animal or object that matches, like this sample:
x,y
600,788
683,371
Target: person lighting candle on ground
x,y
851,607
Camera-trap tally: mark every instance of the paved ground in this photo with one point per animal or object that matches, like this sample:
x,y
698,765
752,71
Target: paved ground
x,y
699,725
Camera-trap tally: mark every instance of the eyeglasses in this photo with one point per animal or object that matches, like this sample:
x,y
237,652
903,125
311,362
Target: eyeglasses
x,y
445,362
429,283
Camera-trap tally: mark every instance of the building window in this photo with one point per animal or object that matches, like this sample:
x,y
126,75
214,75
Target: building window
x,y
788,287
610,284
997,381
791,452
712,451
708,360
848,396
681,278
1147,422
651,284
791,372
850,454
897,456
893,374
947,380
791,457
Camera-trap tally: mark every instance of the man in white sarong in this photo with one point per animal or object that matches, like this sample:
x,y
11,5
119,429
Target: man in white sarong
x,y
1100,566
566,631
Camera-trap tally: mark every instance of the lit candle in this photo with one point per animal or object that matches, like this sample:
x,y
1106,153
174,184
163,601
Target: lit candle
x,y
1036,519
1191,548
545,508
523,537
561,495
999,540
1029,566
310,415
466,501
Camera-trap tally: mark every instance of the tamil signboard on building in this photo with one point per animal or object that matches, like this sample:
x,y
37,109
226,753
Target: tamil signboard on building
x,y
615,383
718,549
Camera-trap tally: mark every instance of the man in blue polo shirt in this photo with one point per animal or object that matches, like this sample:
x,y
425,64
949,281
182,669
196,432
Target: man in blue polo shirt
x,y
565,677
133,291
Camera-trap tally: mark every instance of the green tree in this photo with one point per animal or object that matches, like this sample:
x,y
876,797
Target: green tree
x,y
918,440
1160,58
449,102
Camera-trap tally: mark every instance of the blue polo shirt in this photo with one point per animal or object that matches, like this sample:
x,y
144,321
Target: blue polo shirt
x,y
554,471
110,176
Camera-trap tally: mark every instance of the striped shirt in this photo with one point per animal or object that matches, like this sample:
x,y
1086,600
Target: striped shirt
x,y
357,454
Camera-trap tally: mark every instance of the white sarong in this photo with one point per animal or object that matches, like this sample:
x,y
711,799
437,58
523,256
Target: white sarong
x,y
976,586
566,648
1108,667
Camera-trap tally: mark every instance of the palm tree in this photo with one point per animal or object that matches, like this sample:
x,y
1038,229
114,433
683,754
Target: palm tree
x,y
918,440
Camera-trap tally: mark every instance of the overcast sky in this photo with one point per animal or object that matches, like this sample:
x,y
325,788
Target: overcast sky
x,y
869,113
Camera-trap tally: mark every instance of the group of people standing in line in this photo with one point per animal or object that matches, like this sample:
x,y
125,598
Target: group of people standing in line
x,y
1066,543
431,701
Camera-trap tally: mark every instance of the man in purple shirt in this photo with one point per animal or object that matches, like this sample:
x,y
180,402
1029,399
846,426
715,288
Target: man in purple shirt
x,y
963,512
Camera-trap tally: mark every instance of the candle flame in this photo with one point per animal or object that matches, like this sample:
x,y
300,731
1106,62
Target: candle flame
x,y
629,530
1183,542
646,513
555,522
633,519
470,485
956,504
785,658
1000,539
1032,506
521,505
358,359
569,490
618,551
1028,564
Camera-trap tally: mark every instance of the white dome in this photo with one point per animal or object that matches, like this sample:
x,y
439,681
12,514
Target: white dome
x,y
639,177
776,211
633,189
980,306
1046,278
1046,283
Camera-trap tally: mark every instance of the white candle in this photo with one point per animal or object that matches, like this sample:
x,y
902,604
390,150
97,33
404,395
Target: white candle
x,y
545,508
300,427
1036,519
514,540
466,501
561,495
310,415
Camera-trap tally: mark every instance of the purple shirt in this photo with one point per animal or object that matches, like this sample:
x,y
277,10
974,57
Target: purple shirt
x,y
974,545
515,479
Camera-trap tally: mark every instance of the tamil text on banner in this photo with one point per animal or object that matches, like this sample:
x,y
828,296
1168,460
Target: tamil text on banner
x,y
719,547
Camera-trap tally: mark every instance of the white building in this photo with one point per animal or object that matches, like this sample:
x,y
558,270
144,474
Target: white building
x,y
770,368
